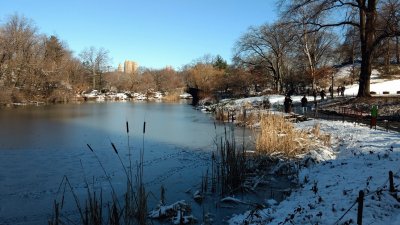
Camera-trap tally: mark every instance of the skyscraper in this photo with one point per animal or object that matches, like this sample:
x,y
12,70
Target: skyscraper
x,y
120,69
130,66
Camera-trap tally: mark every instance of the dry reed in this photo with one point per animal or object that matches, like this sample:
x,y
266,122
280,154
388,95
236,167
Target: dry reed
x,y
278,137
248,118
228,166
132,211
173,95
324,138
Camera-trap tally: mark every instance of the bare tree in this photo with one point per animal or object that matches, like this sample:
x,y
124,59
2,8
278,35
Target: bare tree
x,y
34,66
333,13
390,18
315,47
266,45
95,61
397,50
18,55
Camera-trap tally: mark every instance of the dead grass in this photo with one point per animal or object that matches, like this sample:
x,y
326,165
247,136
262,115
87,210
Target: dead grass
x,y
172,97
248,118
243,117
322,137
278,137
228,166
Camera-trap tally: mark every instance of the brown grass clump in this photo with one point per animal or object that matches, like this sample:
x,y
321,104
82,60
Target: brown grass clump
x,y
279,137
324,138
172,97
248,118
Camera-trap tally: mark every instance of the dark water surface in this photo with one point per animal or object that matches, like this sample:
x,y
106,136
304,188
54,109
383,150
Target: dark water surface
x,y
41,145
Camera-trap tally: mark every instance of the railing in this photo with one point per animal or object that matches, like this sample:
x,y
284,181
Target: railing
x,y
347,111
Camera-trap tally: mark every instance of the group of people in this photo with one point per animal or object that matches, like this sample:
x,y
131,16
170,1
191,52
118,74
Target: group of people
x,y
304,101
321,93
288,104
340,90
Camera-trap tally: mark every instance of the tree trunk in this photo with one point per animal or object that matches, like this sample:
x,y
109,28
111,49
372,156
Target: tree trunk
x,y
277,85
94,81
387,56
397,50
365,76
367,36
278,77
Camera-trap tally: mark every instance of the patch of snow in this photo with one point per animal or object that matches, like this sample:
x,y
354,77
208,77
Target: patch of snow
x,y
346,71
271,202
185,96
377,85
233,199
166,211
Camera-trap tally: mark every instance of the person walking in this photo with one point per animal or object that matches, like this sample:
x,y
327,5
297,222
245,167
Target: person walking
x,y
374,116
314,93
331,91
304,102
322,93
288,104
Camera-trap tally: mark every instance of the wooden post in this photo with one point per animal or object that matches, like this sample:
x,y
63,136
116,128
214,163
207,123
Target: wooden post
x,y
360,201
391,187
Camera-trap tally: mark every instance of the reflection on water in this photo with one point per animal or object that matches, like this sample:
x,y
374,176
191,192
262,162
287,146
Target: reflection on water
x,y
40,145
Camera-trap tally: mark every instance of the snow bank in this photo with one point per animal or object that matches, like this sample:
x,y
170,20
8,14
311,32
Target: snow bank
x,y
363,158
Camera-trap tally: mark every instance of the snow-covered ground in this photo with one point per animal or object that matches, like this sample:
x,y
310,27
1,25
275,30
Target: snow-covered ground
x,y
363,159
378,86
329,189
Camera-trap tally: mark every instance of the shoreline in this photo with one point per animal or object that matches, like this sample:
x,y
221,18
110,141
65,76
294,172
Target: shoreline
x,y
327,203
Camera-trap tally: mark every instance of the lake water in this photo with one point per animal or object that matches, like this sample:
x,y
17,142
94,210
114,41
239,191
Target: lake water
x,y
41,145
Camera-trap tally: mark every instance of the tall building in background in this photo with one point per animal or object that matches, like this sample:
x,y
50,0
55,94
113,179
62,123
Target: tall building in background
x,y
130,66
120,68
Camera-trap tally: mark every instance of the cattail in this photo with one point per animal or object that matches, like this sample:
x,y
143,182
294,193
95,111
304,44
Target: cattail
x,y
115,149
144,127
127,127
91,149
162,200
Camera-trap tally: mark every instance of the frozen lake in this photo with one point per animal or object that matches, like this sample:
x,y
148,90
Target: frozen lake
x,y
41,145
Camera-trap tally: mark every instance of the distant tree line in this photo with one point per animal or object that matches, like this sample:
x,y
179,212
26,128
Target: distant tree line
x,y
35,66
296,52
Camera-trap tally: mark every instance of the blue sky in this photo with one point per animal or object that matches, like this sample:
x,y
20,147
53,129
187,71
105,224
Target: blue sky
x,y
154,33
